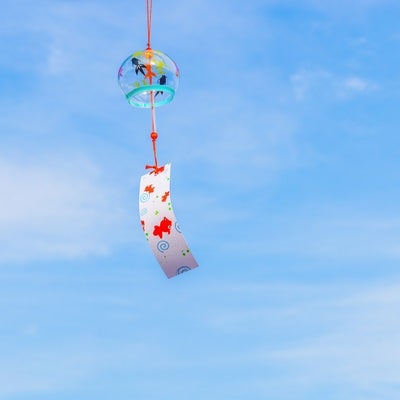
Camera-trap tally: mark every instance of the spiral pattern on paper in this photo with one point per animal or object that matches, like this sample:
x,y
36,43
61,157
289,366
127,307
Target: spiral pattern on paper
x,y
177,227
182,269
162,246
144,197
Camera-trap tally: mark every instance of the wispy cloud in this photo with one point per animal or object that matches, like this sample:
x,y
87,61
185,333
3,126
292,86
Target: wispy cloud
x,y
57,208
323,84
356,9
306,80
360,347
354,85
332,334
59,368
326,236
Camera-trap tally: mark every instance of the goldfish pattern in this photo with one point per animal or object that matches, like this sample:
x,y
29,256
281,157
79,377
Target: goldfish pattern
x,y
163,227
165,196
149,189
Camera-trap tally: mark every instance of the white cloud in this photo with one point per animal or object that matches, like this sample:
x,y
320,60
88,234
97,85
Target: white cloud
x,y
53,368
344,334
304,81
361,345
356,83
322,84
326,235
57,208
356,9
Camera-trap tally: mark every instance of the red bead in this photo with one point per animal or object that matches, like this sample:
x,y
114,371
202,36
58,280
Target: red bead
x,y
154,135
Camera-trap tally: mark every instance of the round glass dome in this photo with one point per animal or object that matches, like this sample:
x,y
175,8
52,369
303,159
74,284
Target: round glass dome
x,y
148,78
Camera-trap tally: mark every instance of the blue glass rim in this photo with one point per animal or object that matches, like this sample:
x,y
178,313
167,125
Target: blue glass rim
x,y
147,88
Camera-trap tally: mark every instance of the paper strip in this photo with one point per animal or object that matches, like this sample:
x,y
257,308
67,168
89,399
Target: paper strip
x,y
160,225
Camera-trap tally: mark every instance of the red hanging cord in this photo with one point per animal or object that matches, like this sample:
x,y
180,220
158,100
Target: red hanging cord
x,y
153,135
149,12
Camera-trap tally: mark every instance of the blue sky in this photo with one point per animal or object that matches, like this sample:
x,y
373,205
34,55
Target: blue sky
x,y
284,143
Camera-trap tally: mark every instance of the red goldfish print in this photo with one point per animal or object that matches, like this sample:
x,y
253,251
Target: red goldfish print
x,y
164,227
149,189
164,198
142,222
149,73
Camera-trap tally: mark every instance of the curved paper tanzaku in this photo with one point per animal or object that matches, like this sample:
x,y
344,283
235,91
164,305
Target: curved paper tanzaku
x,y
159,223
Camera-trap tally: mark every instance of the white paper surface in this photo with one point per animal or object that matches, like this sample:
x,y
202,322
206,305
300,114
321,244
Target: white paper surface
x,y
160,225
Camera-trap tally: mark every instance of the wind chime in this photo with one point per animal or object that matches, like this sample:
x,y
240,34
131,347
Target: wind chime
x,y
149,79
